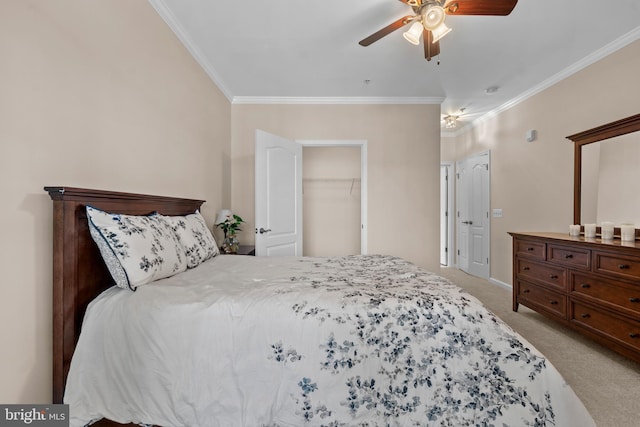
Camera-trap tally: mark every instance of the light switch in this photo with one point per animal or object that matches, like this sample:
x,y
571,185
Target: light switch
x,y
497,213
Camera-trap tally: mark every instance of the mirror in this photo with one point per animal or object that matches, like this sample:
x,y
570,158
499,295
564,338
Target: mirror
x,y
607,169
603,150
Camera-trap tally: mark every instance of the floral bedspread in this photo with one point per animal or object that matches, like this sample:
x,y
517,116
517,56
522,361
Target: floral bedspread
x,y
345,341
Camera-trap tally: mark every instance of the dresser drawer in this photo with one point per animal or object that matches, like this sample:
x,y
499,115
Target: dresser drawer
x,y
616,295
571,257
550,275
624,266
590,285
625,331
530,249
542,298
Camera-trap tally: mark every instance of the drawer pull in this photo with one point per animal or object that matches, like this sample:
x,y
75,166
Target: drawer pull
x,y
634,299
585,315
525,269
526,291
585,286
623,266
553,276
530,249
568,256
553,302
634,335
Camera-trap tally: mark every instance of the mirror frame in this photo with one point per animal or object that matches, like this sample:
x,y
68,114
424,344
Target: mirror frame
x,y
606,131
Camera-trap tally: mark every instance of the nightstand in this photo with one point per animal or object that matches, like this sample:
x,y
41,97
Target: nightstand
x,y
242,250
246,250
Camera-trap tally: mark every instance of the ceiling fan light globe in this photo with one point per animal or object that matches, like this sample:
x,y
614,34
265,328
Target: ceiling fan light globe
x,y
414,33
411,39
433,17
440,32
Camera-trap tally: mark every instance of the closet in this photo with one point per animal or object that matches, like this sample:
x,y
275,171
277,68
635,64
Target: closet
x,y
331,201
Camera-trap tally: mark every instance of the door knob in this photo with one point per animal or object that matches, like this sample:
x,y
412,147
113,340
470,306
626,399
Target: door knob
x,y
262,230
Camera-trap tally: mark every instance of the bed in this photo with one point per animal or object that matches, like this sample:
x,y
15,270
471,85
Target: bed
x,y
252,341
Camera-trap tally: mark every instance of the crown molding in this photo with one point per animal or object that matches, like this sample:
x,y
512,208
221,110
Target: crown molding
x,y
182,35
323,100
588,60
168,17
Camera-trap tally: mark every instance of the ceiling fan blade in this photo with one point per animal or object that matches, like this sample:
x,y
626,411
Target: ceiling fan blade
x,y
430,49
386,30
480,7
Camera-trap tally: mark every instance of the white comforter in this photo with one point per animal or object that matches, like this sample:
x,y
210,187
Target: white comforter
x,y
353,341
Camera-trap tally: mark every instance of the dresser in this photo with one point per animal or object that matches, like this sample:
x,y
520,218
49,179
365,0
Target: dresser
x,y
587,284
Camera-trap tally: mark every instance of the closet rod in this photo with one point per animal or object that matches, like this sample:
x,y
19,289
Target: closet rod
x,y
352,180
333,179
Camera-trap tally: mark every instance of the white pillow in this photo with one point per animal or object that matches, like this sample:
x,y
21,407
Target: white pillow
x,y
136,249
196,238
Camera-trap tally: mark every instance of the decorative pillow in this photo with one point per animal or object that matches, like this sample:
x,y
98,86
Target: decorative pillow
x,y
198,242
136,249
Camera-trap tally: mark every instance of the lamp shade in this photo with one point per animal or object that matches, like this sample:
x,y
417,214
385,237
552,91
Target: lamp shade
x,y
223,215
414,33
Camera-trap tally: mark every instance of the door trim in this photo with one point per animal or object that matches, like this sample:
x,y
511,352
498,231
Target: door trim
x,y
451,173
363,176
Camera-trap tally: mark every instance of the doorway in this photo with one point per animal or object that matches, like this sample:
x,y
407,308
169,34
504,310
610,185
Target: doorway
x,y
346,185
331,203
472,214
279,185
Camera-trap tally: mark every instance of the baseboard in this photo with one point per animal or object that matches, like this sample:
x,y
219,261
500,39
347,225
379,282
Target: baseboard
x,y
491,279
500,283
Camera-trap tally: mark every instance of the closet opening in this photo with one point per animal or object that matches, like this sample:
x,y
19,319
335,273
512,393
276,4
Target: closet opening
x,y
333,198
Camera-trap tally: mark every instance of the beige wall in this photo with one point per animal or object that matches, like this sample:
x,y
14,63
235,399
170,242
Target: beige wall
x,y
102,95
95,94
403,144
533,181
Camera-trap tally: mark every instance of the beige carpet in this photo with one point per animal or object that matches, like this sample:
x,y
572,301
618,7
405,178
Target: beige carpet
x,y
607,383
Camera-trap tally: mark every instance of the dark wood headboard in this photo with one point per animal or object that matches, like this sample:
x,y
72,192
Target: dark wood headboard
x,y
79,274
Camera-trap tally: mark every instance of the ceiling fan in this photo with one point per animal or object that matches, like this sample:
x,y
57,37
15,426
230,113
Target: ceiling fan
x,y
450,121
428,20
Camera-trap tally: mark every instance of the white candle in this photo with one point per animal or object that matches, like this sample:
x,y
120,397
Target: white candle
x,y
589,230
628,232
607,230
574,230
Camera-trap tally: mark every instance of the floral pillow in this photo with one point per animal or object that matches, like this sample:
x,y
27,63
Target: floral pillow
x,y
197,240
136,249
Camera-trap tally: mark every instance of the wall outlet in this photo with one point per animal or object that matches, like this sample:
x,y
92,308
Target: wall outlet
x,y
497,213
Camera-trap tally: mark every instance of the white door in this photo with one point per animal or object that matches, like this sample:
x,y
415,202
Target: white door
x,y
462,223
278,190
473,215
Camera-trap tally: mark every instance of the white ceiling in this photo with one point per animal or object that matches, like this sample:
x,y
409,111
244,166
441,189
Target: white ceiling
x,y
288,51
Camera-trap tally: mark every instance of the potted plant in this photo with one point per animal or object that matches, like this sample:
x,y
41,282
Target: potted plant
x,y
230,225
